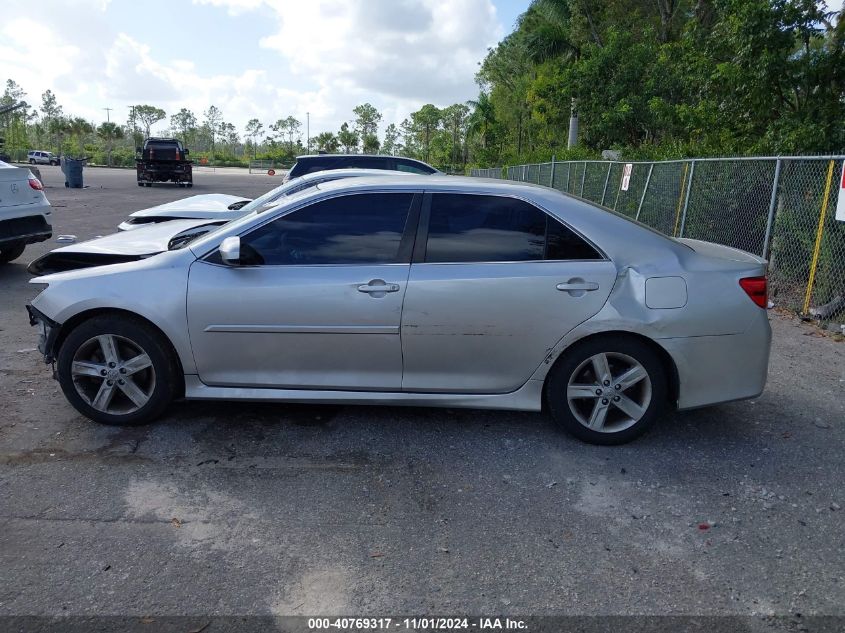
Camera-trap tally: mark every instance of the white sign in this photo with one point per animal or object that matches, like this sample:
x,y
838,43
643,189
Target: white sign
x,y
840,206
626,176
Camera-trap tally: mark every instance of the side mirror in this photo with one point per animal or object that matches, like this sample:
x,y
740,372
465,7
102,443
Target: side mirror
x,y
230,251
187,151
138,149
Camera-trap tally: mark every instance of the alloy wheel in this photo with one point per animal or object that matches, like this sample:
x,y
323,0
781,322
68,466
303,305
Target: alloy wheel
x,y
609,392
113,374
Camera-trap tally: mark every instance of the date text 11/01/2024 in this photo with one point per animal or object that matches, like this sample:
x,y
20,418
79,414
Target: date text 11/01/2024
x,y
414,624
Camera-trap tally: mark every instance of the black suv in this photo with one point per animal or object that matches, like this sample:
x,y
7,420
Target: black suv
x,y
324,162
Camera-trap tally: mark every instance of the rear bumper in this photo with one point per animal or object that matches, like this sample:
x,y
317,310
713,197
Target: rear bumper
x,y
27,228
164,172
715,369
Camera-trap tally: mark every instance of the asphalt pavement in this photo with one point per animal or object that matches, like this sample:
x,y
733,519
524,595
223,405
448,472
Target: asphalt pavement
x,y
248,509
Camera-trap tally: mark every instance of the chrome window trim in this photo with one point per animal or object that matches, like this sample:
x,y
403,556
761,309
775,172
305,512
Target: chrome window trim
x,y
603,255
307,203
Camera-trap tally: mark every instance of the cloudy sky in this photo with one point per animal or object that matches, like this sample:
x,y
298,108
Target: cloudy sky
x,y
251,58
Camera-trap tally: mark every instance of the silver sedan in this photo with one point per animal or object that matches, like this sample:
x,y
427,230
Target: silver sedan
x,y
416,291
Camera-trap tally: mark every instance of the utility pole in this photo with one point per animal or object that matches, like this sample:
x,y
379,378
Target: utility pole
x,y
308,132
572,141
108,112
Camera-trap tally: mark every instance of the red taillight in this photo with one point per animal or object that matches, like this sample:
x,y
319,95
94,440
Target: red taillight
x,y
36,184
757,289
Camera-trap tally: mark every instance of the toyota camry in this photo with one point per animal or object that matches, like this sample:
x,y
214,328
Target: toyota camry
x,y
428,291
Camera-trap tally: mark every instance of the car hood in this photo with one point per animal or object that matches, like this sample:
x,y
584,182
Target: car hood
x,y
207,204
119,247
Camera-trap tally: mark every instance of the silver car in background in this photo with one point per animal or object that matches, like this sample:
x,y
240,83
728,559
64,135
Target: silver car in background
x,y
217,206
417,291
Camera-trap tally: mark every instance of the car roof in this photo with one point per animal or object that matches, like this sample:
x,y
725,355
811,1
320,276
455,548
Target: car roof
x,y
627,243
376,156
586,217
352,172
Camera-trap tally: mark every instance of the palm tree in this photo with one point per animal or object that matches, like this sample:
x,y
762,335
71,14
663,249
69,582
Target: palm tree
x,y
59,127
482,117
110,132
79,128
550,38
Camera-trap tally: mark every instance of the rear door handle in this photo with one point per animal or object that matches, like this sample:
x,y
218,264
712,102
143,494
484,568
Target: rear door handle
x,y
578,285
378,288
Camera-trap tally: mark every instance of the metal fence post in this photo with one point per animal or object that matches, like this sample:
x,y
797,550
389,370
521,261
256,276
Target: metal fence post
x,y
606,182
552,175
645,189
618,192
568,174
583,177
819,234
686,201
772,204
524,173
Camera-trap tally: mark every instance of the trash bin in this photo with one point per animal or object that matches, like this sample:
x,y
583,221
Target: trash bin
x,y
72,169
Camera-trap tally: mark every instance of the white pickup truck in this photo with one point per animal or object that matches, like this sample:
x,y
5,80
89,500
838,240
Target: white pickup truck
x,y
24,211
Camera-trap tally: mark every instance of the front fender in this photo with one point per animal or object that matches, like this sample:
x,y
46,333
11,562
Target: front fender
x,y
157,293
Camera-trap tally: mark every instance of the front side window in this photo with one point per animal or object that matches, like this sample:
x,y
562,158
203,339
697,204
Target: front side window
x,y
353,229
478,228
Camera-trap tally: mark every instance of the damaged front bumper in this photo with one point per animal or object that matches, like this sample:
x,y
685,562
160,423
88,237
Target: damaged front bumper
x,y
49,332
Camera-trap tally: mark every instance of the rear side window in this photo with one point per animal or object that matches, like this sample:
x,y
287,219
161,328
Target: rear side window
x,y
302,168
412,168
475,228
353,229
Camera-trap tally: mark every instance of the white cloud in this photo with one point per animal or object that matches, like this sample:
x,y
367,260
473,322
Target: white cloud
x,y
319,56
411,50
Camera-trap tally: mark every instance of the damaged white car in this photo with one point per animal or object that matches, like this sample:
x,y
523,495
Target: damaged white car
x,y
219,206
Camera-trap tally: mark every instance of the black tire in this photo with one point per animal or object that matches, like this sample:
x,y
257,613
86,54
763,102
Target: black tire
x,y
11,251
140,184
190,184
618,348
132,330
31,161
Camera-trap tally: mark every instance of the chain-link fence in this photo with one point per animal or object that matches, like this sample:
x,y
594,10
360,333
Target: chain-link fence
x,y
781,208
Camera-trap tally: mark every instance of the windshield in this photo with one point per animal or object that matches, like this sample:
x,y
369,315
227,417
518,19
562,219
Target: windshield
x,y
181,240
272,197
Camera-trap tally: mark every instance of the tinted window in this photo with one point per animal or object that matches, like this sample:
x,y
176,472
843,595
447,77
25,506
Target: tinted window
x,y
302,168
413,168
470,228
355,229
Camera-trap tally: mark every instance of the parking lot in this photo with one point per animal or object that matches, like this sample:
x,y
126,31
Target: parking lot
x,y
291,509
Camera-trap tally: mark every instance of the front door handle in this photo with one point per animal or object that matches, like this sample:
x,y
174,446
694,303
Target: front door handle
x,y
378,288
578,285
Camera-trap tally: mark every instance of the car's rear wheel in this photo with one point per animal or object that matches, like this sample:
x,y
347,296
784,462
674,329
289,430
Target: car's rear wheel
x,y
117,370
8,252
607,390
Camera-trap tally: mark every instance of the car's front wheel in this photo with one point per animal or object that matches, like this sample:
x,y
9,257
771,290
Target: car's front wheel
x,y
117,370
607,390
9,252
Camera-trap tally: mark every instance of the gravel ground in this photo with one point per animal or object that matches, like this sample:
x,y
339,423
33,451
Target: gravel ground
x,y
277,509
